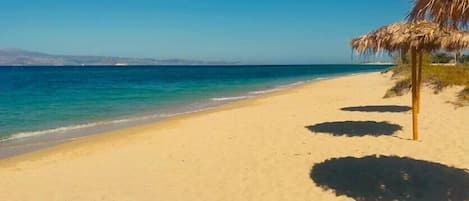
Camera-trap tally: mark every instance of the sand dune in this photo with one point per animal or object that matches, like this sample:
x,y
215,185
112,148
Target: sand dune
x,y
265,149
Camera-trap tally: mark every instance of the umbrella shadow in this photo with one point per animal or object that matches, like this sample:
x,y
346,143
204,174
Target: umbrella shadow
x,y
377,108
389,178
355,128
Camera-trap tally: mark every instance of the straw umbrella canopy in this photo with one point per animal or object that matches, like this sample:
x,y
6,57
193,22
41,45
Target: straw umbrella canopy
x,y
449,13
454,13
417,37
421,36
456,41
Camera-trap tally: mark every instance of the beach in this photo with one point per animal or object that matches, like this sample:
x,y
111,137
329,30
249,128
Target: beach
x,y
262,148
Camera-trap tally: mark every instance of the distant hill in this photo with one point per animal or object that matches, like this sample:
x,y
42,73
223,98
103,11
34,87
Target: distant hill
x,y
15,57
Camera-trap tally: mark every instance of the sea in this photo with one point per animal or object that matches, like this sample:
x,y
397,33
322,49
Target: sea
x,y
45,105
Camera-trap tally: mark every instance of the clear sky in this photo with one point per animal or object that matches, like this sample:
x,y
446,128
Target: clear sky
x,y
249,31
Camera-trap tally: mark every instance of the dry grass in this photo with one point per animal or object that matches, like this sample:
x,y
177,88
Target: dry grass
x,y
401,87
463,97
436,77
441,77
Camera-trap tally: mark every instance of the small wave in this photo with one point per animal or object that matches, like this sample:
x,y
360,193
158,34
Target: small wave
x,y
230,98
294,84
278,88
265,91
64,129
49,131
319,78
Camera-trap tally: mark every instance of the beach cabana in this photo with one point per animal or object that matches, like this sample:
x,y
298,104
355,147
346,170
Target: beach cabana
x,y
414,37
451,13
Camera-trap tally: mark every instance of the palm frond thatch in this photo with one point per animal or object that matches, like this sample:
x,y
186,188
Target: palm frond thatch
x,y
456,41
421,35
453,13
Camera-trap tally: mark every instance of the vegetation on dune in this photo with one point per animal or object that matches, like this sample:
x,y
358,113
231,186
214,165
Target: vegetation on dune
x,y
441,77
400,88
463,97
437,77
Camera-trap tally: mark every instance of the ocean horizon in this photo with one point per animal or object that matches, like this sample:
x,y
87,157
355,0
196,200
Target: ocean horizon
x,y
50,103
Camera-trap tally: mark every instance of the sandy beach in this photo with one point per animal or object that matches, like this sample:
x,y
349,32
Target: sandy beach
x,y
265,148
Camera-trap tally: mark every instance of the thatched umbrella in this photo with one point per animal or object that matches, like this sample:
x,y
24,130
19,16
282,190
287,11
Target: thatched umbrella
x,y
454,13
449,13
456,41
417,37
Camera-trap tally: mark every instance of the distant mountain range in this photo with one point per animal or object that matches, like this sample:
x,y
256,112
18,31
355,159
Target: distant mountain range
x,y
18,57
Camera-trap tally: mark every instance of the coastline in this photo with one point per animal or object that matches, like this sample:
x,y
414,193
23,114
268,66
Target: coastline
x,y
254,149
23,143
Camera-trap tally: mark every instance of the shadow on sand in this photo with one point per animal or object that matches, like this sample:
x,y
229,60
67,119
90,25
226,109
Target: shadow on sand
x,y
391,178
355,128
377,108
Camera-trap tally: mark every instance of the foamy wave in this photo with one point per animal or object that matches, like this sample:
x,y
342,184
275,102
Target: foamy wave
x,y
22,135
265,91
230,98
49,131
319,78
148,117
294,84
278,88
253,93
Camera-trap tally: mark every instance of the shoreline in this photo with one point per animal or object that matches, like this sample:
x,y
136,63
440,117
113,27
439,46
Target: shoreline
x,y
13,147
265,148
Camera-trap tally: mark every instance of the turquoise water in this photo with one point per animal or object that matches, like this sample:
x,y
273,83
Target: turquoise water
x,y
44,100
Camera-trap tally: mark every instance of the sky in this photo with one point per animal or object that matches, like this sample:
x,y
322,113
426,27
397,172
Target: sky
x,y
246,31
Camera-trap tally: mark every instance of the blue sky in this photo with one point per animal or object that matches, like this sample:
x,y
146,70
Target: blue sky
x,y
274,31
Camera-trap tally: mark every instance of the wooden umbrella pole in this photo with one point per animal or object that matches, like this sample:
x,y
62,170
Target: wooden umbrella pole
x,y
414,94
419,80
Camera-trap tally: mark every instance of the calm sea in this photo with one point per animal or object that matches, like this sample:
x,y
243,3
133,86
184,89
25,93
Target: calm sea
x,y
37,101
